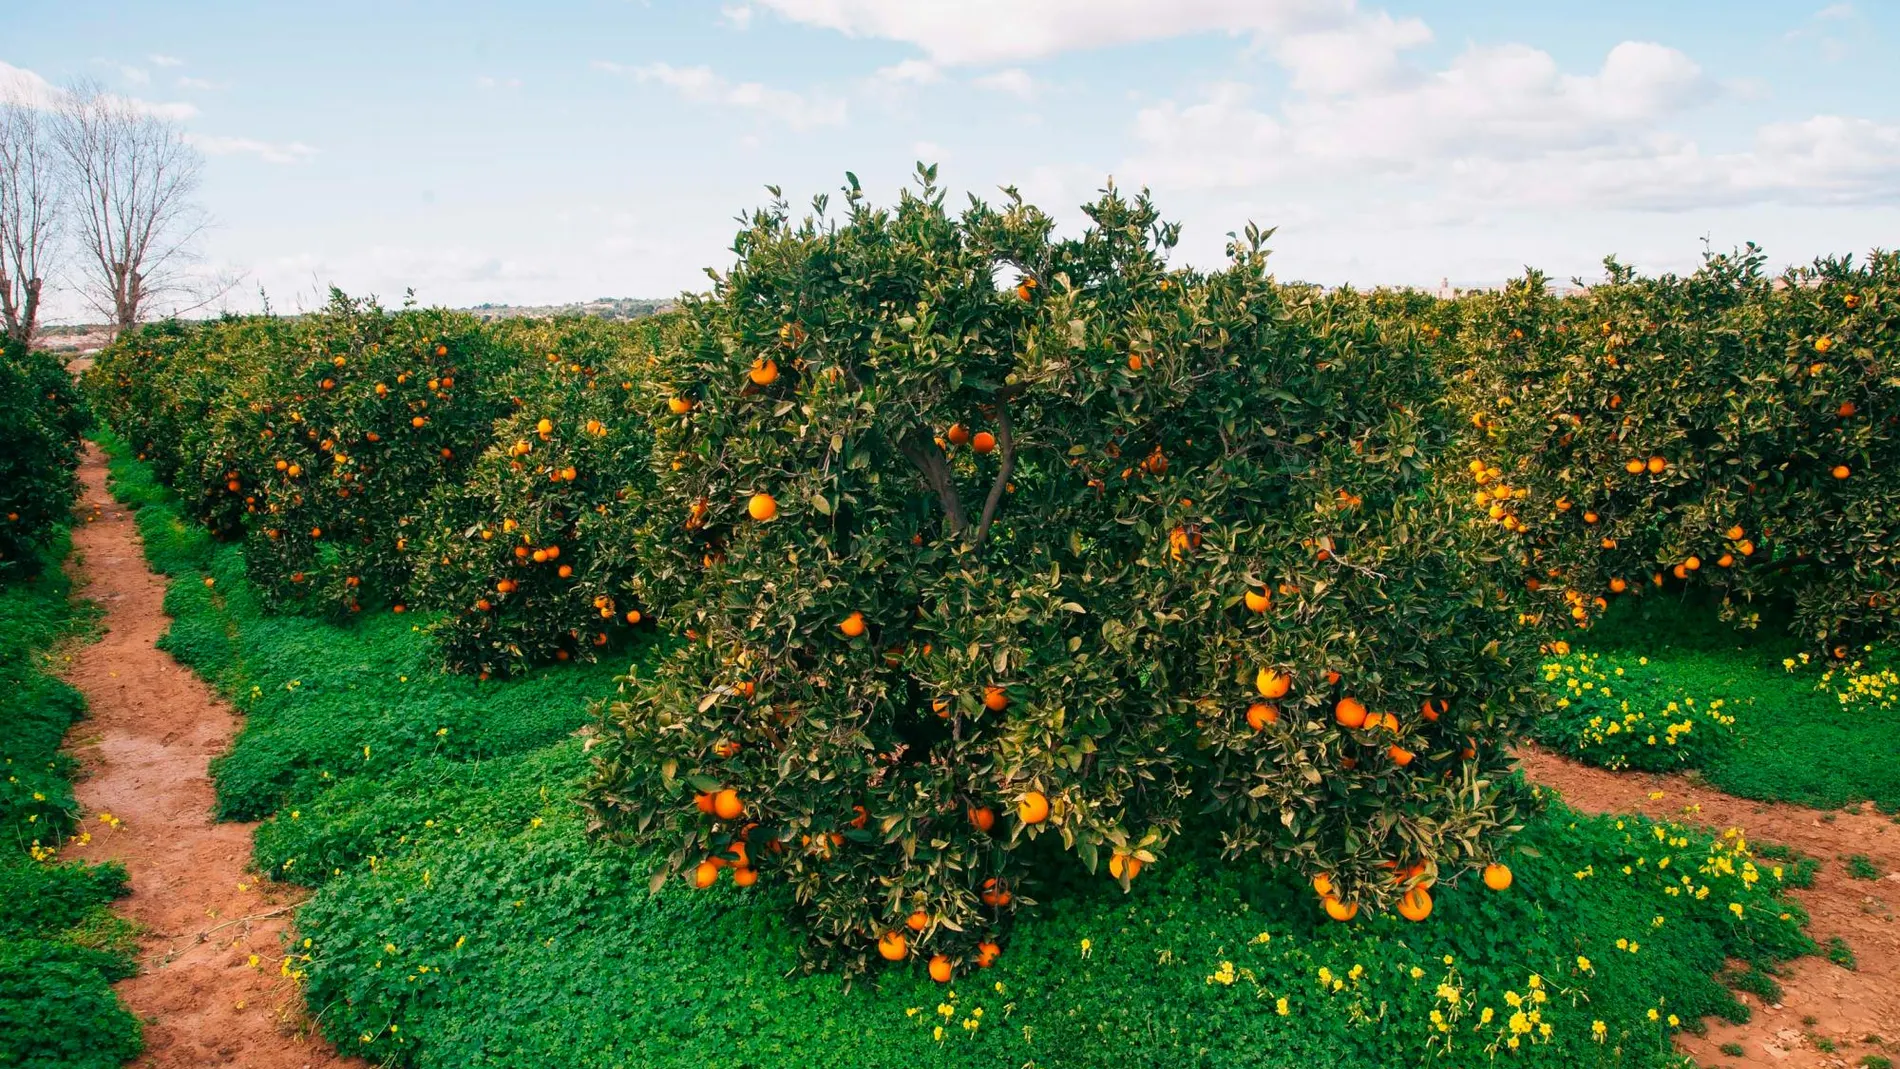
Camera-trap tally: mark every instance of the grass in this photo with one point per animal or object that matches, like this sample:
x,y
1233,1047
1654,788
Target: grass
x,y
1812,733
463,917
60,946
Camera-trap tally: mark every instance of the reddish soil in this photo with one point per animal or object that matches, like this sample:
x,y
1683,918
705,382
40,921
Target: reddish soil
x,y
144,753
1821,1003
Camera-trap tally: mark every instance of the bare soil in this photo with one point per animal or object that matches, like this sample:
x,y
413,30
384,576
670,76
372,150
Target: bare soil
x,y
1822,1004
210,986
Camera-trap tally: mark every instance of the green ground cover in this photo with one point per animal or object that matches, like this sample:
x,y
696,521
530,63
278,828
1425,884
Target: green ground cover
x,y
1805,730
463,918
60,946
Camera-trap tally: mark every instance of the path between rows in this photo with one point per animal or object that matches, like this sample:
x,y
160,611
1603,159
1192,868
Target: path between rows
x,y
1845,1006
144,753
154,727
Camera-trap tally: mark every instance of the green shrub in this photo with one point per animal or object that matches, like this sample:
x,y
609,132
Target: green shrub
x,y
41,419
1017,535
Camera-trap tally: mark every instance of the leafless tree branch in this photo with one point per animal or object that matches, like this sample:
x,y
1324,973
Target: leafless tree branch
x,y
29,217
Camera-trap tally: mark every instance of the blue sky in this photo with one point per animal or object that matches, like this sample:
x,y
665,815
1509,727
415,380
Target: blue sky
x,y
493,151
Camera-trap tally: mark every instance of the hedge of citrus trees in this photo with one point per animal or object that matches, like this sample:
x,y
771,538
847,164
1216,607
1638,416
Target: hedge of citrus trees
x,y
41,419
1724,429
1094,556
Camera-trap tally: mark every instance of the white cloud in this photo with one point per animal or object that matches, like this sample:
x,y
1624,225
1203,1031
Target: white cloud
x,y
165,61
490,82
135,75
1835,11
1012,80
702,86
738,18
1006,31
197,83
18,85
908,72
269,152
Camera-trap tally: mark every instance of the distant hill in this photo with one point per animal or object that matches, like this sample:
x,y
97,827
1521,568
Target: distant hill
x,y
604,307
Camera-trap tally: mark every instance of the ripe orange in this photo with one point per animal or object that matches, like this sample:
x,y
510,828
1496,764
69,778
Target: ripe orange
x,y
679,406
853,625
705,874
1590,517
995,699
1416,905
1823,343
1433,709
1726,560
1400,755
1272,684
727,806
986,954
1634,466
1258,600
1656,465
994,894
917,921
1846,411
1618,585
762,507
1120,865
764,372
940,969
1134,361
1340,911
745,876
984,442
1260,714
1840,471
1350,712
892,945
982,817
1033,808
1497,876
1324,885
958,434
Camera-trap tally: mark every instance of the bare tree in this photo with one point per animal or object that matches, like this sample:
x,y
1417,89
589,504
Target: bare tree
x,y
29,215
133,180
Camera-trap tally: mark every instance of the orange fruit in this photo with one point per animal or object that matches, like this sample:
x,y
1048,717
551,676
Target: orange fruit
x,y
762,507
1726,560
1324,885
1590,517
1617,586
1840,471
984,442
1745,547
1258,600
853,625
1272,684
704,800
917,921
940,969
892,945
958,434
727,806
1433,709
1497,876
1260,714
1340,911
1656,465
1033,808
764,372
1134,361
1734,533
679,406
1350,712
1846,411
1120,865
745,876
983,818
705,874
995,699
1634,466
1400,755
1416,905
986,954
994,894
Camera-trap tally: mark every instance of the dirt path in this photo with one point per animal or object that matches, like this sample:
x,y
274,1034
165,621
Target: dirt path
x,y
144,753
1821,1002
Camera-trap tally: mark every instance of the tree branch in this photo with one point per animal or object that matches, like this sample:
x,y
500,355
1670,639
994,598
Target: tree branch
x,y
929,460
1008,444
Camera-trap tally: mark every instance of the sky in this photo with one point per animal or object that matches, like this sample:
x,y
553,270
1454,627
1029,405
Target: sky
x,y
482,151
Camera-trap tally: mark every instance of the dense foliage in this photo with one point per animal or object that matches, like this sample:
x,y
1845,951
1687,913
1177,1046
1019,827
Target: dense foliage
x,y
1100,554
1724,429
41,418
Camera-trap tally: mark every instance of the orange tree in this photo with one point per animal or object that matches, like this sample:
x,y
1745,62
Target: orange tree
x,y
41,420
536,555
1723,429
1085,558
